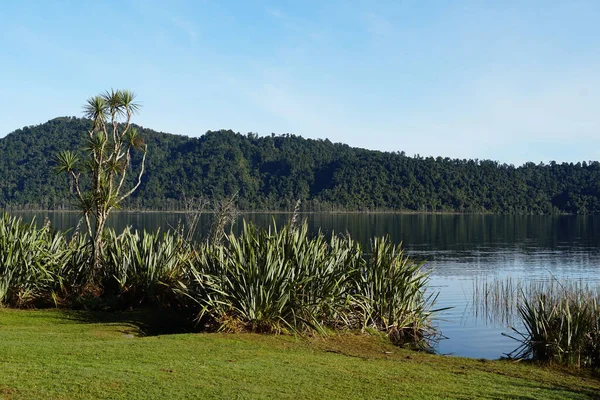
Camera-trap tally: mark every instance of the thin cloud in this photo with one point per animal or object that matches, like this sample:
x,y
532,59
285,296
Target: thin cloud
x,y
500,118
281,103
275,13
295,25
378,25
186,27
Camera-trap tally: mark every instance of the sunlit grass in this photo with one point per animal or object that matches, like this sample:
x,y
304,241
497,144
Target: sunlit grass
x,y
52,354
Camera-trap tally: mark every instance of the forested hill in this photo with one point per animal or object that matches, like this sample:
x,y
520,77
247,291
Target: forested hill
x,y
272,172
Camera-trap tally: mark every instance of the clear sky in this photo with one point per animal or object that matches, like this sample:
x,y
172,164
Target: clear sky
x,y
512,81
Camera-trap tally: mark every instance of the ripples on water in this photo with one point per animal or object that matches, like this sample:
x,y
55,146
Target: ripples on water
x,y
460,250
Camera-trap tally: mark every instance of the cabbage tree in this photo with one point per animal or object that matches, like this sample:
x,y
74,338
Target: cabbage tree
x,y
99,180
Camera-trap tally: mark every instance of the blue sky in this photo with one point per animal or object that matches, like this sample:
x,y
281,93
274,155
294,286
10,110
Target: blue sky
x,y
510,81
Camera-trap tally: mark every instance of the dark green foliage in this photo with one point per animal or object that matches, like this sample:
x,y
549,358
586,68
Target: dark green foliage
x,y
277,280
273,172
283,280
260,281
39,267
142,268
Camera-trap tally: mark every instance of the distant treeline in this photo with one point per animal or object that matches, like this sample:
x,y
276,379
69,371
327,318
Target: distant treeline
x,y
273,172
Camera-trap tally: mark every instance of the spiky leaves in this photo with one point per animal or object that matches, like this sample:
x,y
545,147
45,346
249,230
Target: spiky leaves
x,y
95,108
283,280
66,161
36,264
134,139
127,101
560,325
275,280
393,295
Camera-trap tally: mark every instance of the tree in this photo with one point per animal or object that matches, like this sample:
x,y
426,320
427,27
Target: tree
x,y
99,181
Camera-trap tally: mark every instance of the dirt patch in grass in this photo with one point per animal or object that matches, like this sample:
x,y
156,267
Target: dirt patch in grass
x,y
6,393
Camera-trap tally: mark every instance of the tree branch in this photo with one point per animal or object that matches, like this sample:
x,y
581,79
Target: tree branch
x,y
126,195
77,188
80,195
127,160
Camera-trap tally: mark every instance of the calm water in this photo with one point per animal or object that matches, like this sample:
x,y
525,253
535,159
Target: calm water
x,y
458,248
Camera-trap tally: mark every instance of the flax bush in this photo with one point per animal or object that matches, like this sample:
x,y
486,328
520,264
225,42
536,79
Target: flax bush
x,y
262,280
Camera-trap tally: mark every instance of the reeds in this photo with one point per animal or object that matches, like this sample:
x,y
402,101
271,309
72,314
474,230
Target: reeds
x,y
560,327
553,321
495,300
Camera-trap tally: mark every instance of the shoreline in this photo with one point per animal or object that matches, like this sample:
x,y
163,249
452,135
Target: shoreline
x,y
277,212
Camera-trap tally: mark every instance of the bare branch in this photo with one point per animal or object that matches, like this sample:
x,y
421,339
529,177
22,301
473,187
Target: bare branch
x,y
127,161
89,224
121,155
115,130
80,195
77,187
139,182
127,124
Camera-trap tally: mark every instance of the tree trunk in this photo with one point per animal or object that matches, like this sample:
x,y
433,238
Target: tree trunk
x,y
97,245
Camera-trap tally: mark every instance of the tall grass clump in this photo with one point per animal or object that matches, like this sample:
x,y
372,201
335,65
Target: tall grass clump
x,y
141,267
553,321
270,280
39,267
560,326
393,292
36,264
283,280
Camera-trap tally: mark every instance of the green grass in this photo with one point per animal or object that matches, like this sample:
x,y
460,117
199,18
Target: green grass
x,y
54,354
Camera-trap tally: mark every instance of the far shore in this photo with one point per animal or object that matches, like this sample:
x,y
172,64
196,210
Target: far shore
x,y
250,212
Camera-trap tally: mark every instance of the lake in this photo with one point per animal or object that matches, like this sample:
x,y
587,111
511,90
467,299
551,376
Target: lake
x,y
459,250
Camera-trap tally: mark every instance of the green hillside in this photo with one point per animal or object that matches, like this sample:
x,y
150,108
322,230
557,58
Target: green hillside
x,y
271,173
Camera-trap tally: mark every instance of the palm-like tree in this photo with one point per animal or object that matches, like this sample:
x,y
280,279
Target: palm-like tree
x,y
111,142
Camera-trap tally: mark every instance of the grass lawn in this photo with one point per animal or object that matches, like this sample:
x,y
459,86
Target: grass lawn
x,y
53,354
